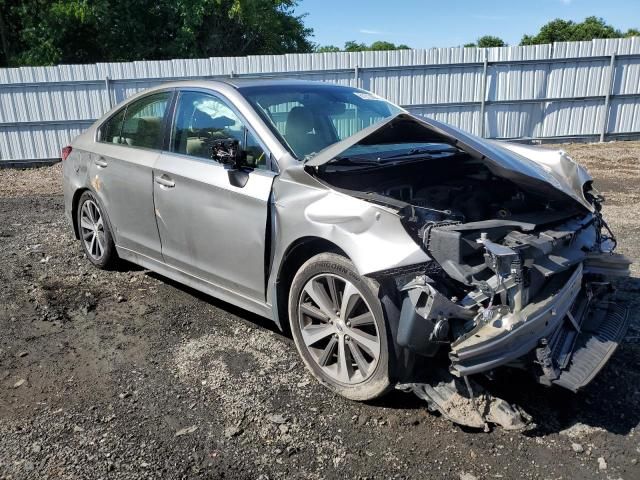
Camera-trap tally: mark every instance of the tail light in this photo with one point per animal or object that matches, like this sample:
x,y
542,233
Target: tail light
x,y
66,151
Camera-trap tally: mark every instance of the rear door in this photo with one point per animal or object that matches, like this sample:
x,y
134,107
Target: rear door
x,y
128,145
209,227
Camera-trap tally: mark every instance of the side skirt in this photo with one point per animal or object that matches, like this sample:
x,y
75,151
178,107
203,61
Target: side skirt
x,y
254,306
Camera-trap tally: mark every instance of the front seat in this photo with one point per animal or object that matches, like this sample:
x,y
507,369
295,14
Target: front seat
x,y
300,132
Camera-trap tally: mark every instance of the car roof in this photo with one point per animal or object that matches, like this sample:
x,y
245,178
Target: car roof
x,y
239,83
253,82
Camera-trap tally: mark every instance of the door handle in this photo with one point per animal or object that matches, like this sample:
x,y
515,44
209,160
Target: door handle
x,y
101,162
165,181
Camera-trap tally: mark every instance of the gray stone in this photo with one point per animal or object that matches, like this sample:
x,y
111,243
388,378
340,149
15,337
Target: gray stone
x,y
277,418
602,464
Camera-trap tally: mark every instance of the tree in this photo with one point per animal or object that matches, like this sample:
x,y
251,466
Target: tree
x,y
559,30
382,45
327,48
45,32
487,41
353,46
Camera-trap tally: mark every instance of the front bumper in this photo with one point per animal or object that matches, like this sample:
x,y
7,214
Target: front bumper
x,y
566,336
569,339
507,338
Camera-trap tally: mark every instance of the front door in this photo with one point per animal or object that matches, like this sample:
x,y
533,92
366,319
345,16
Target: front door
x,y
208,227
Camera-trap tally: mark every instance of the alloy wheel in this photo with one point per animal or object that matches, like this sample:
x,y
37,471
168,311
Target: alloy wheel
x,y
338,329
92,229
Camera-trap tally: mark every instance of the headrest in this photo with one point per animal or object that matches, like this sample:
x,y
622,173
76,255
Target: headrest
x,y
299,121
204,121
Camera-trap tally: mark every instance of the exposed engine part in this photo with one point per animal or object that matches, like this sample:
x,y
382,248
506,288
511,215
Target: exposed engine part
x,y
507,265
544,357
612,265
472,407
424,318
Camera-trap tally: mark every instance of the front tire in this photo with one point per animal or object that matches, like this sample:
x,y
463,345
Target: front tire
x,y
95,234
339,327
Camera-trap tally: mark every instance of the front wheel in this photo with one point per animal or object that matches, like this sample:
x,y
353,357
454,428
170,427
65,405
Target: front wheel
x,y
339,328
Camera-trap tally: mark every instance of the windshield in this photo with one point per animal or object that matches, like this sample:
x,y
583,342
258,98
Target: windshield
x,y
309,118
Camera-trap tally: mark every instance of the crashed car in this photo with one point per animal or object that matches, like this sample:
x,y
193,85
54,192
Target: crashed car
x,y
399,251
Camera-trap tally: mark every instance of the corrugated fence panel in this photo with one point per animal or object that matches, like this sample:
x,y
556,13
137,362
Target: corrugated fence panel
x,y
624,116
539,91
466,118
512,120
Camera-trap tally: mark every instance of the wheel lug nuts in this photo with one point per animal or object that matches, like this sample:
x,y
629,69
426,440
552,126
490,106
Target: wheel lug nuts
x,y
346,337
348,324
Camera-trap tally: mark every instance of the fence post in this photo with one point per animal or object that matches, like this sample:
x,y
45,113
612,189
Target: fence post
x,y
483,99
107,87
356,76
607,99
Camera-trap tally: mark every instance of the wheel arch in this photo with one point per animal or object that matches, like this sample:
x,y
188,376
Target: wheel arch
x,y
74,209
307,247
294,257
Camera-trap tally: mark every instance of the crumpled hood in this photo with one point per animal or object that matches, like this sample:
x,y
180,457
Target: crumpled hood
x,y
570,175
525,165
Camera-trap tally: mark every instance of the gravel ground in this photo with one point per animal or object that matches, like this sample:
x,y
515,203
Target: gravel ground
x,y
124,374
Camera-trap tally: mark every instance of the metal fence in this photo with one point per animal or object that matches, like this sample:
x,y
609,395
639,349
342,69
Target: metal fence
x,y
587,90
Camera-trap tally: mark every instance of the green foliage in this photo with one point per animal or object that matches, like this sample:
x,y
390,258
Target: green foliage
x,y
559,30
487,41
352,46
327,49
45,32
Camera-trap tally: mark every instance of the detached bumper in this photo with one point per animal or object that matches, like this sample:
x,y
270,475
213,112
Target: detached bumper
x,y
578,356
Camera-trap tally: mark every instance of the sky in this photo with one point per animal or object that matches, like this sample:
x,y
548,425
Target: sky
x,y
448,23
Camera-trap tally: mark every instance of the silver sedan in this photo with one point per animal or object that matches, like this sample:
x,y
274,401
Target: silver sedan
x,y
391,245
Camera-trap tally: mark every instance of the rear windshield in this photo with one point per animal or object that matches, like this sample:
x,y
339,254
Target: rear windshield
x,y
309,118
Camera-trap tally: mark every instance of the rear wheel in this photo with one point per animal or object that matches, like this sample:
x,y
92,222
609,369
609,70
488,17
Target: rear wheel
x,y
95,234
339,328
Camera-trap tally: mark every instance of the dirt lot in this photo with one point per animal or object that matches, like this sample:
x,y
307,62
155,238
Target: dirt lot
x,y
124,374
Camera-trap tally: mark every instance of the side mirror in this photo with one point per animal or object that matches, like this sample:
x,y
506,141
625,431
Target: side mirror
x,y
227,151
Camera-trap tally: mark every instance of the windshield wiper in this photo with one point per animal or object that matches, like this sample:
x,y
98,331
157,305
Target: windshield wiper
x,y
357,161
422,151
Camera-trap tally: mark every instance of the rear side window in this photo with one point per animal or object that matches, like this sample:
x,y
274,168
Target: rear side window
x,y
110,131
144,121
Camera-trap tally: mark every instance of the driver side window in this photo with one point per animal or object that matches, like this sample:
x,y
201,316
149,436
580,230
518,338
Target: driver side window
x,y
202,119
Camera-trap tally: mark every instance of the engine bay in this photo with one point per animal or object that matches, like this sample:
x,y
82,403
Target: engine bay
x,y
452,187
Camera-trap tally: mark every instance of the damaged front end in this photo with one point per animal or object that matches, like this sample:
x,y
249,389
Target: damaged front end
x,y
535,298
521,260
530,296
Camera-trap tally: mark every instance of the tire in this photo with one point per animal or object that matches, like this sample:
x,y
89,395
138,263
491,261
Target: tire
x,y
95,232
347,350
